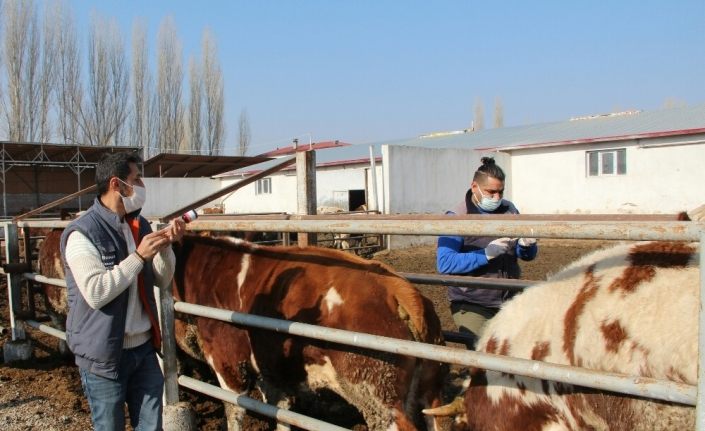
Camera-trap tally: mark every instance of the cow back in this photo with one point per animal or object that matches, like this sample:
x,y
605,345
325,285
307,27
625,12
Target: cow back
x,y
629,309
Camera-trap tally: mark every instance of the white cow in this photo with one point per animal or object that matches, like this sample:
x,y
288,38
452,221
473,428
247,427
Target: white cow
x,y
631,309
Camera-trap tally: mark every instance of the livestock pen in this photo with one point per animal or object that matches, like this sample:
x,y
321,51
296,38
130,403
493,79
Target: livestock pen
x,y
517,226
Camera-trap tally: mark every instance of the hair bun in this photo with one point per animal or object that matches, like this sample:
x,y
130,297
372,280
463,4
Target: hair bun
x,y
486,161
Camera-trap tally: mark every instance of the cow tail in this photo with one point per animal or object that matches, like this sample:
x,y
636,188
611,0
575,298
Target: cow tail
x,y
411,309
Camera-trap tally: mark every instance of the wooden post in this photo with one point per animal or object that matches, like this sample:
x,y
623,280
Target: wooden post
x,y
306,191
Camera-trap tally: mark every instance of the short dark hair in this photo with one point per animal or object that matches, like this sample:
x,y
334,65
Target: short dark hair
x,y
488,169
113,165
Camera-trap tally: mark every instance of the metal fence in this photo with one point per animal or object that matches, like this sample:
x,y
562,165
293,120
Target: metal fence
x,y
628,230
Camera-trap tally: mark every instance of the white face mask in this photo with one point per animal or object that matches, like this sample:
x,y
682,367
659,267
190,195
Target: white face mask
x,y
136,200
487,203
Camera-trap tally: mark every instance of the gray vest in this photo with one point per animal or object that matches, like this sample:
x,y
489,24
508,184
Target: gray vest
x,y
504,266
96,336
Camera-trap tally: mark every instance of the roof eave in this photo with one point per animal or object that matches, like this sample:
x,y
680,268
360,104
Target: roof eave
x,y
649,135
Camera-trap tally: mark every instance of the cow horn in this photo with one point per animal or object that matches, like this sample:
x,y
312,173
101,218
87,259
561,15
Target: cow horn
x,y
454,408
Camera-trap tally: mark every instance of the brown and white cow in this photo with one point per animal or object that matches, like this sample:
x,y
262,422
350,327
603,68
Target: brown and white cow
x,y
55,299
629,309
311,285
317,286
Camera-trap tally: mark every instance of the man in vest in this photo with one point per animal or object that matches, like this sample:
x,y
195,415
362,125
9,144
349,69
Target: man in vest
x,y
481,256
112,261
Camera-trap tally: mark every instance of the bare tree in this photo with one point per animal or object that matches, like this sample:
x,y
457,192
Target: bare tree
x,y
170,109
195,107
68,73
21,52
244,135
105,110
47,80
479,122
214,99
498,113
119,84
142,130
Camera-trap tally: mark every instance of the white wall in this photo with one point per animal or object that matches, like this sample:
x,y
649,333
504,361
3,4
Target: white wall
x,y
246,201
332,185
659,179
430,180
165,195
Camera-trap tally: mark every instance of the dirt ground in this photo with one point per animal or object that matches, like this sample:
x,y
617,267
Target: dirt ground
x,y
46,391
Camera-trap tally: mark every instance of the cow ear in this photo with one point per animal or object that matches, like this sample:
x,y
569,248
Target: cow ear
x,y
452,409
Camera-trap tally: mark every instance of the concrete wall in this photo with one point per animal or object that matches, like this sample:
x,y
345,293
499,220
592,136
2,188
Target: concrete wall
x,y
332,186
165,195
662,176
429,181
245,200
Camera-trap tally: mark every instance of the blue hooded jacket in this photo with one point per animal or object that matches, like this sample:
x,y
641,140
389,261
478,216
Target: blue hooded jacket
x,y
466,256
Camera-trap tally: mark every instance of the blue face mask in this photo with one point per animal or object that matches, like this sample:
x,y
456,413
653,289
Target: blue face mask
x,y
487,203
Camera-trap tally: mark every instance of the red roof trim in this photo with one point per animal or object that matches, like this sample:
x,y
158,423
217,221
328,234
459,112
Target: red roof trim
x,y
318,165
304,147
597,140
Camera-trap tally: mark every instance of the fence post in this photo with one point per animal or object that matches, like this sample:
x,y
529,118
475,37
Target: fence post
x,y
306,191
171,386
19,348
700,402
177,416
28,249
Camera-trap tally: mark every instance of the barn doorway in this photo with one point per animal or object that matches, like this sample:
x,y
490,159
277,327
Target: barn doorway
x,y
355,199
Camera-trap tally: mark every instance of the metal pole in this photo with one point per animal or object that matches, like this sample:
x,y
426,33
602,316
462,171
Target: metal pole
x,y
55,203
268,410
700,405
47,329
466,281
229,189
4,200
372,204
27,238
633,231
639,386
46,280
171,386
12,255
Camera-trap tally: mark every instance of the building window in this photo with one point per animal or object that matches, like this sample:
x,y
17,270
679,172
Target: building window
x,y
263,186
607,162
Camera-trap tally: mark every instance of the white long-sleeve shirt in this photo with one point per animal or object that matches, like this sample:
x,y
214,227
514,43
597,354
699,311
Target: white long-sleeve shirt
x,y
99,286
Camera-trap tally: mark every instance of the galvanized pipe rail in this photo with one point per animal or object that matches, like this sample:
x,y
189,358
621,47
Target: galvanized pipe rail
x,y
641,229
281,415
467,281
700,406
636,231
639,386
46,329
455,225
42,279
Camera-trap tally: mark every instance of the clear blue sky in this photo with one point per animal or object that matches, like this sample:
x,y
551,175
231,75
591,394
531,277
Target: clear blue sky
x,y
368,71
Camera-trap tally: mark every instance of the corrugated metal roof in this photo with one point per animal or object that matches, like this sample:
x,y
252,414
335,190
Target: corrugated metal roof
x,y
606,127
640,124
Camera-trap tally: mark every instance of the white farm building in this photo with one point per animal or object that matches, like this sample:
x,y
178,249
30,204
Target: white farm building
x,y
633,162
